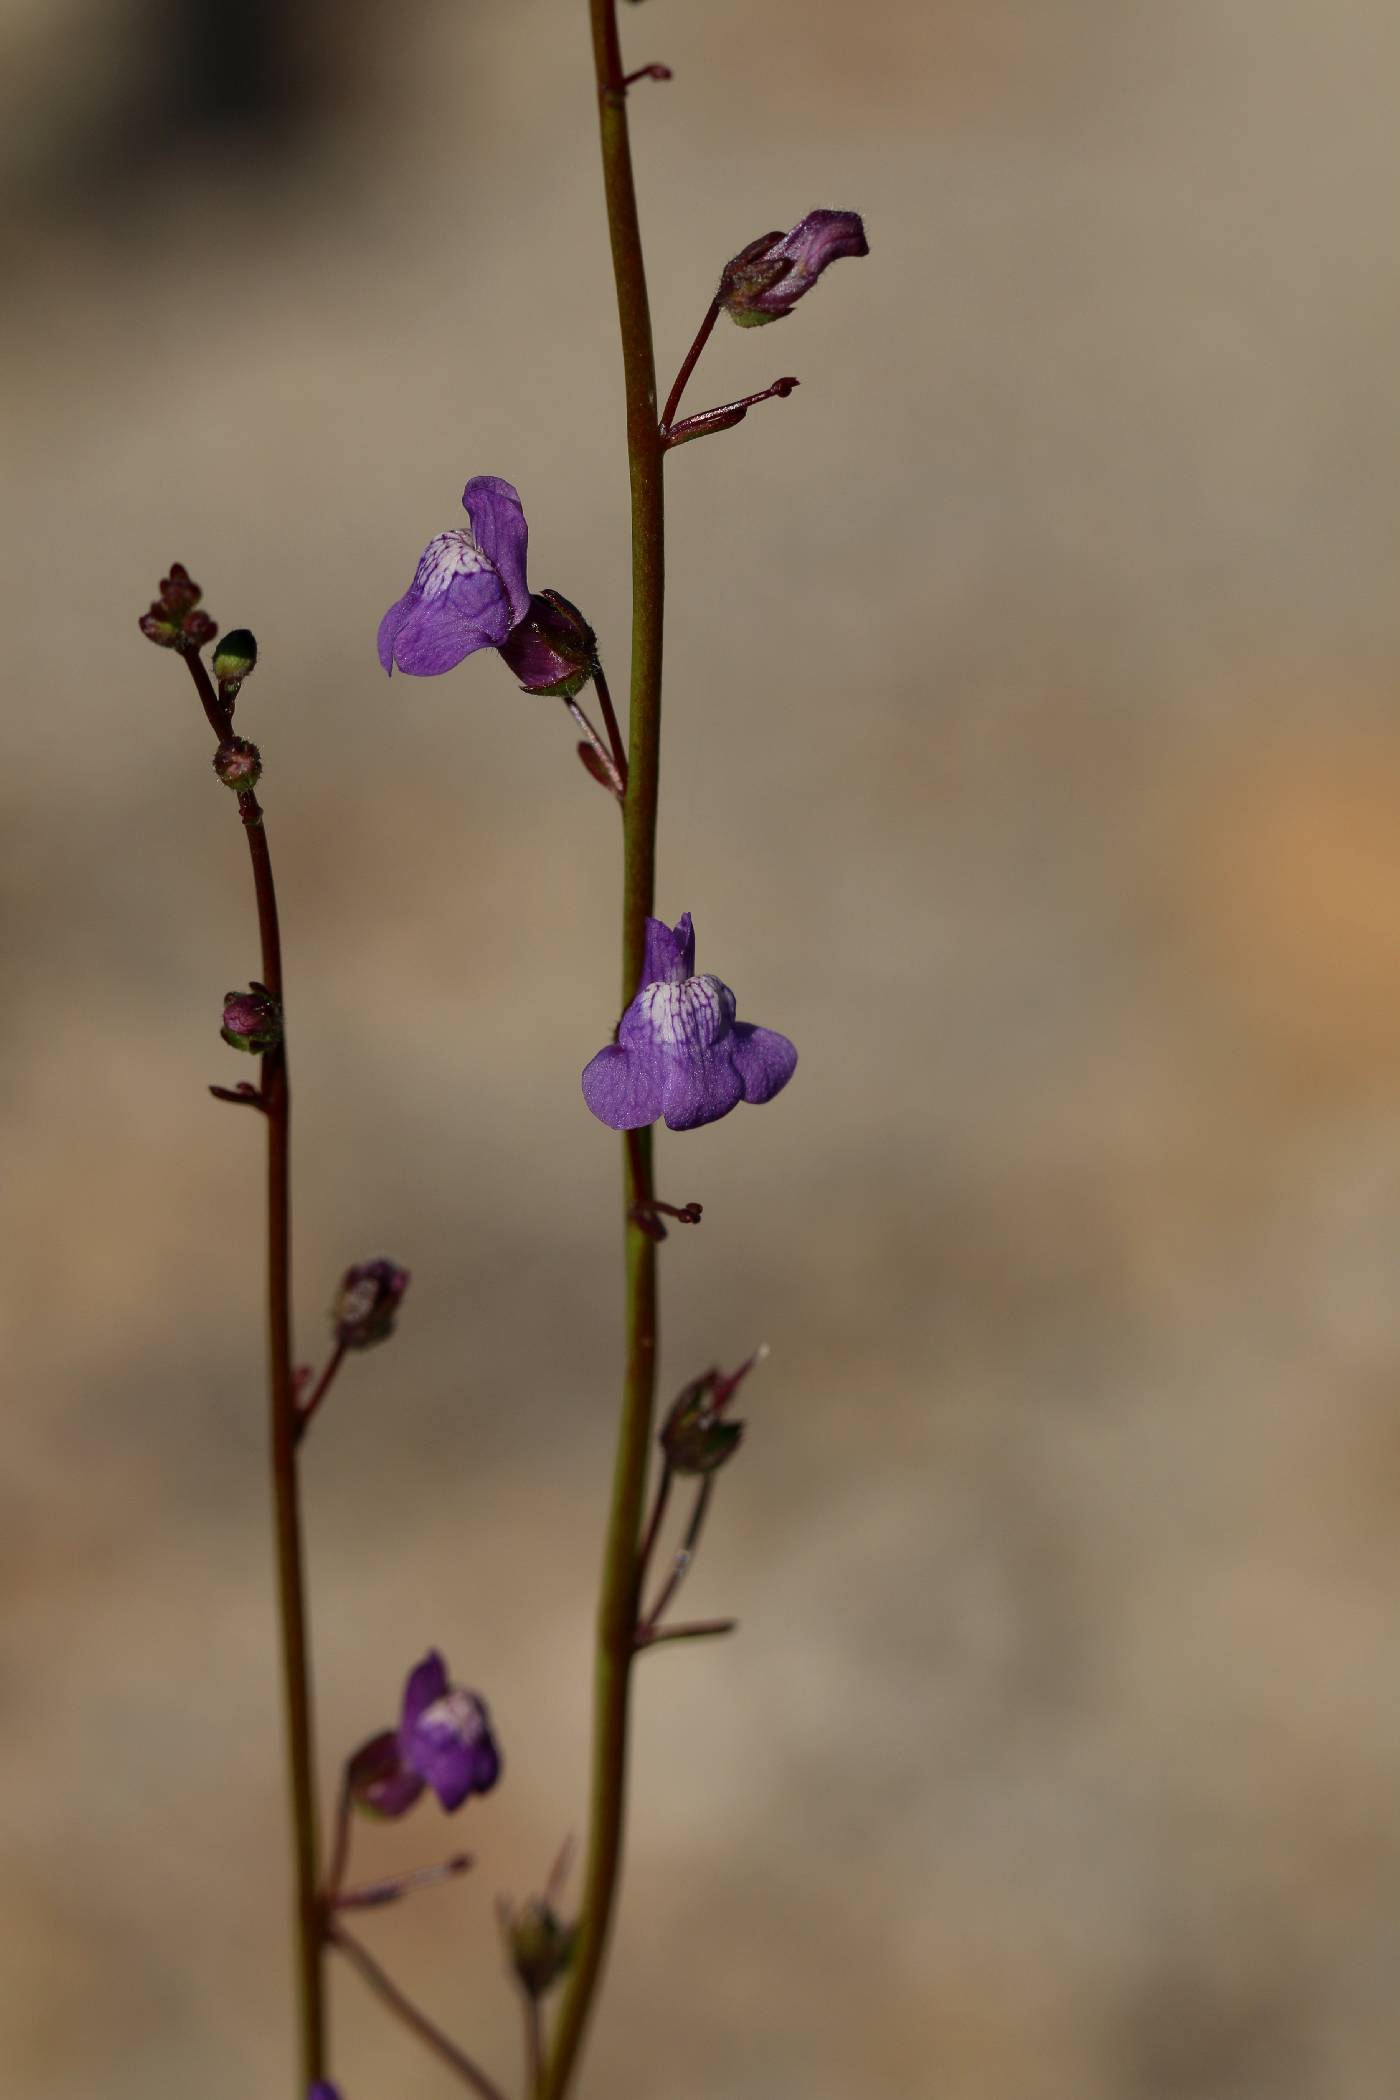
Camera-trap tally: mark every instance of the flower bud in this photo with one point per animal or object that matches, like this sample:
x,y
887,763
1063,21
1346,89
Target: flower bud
x,y
238,763
553,650
236,657
252,1020
764,281
378,1781
367,1303
173,622
541,1945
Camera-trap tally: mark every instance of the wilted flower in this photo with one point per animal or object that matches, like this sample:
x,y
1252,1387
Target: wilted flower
x,y
443,1740
765,280
541,1945
679,1050
367,1303
468,591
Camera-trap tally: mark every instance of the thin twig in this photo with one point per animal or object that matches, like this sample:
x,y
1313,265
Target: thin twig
x,y
685,1554
688,364
619,749
406,2011
709,420
689,1630
276,1102
534,2041
658,1511
604,756
319,1391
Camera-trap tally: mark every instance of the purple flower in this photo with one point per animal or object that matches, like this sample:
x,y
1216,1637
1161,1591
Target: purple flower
x,y
469,590
443,1740
765,280
445,1734
680,1053
323,2091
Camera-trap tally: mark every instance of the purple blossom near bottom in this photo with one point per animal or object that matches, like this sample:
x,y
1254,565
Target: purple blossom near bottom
x,y
680,1053
323,2091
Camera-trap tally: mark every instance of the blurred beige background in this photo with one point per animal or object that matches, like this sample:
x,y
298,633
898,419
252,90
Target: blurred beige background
x,y
1031,758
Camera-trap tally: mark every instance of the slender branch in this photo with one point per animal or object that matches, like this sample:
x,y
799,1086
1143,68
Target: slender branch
x,y
685,1554
617,1609
691,1630
709,420
652,72
619,749
340,1842
534,2042
308,1407
372,1895
658,1511
596,743
276,1102
405,2010
688,364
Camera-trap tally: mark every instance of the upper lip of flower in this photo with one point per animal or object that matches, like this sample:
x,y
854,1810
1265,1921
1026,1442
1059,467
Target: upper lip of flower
x,y
468,591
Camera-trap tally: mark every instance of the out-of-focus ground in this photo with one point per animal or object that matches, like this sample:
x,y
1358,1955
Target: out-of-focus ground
x,y
1032,758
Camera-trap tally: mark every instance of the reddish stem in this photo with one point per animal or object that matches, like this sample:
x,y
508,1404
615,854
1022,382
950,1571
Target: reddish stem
x,y
688,364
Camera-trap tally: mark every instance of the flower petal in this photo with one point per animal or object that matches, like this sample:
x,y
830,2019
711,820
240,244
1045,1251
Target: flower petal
x,y
427,1681
453,1749
389,627
442,630
701,1086
821,239
670,952
764,1060
625,1088
499,529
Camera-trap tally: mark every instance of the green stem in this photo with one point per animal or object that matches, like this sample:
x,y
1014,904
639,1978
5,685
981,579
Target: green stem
x,y
618,1603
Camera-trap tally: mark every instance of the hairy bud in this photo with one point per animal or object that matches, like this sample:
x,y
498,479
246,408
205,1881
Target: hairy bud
x,y
235,658
238,763
252,1020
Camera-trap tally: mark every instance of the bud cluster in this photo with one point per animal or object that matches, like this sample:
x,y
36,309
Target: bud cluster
x,y
174,621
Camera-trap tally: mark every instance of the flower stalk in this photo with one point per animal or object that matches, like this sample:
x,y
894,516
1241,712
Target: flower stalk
x,y
275,1101
622,1570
